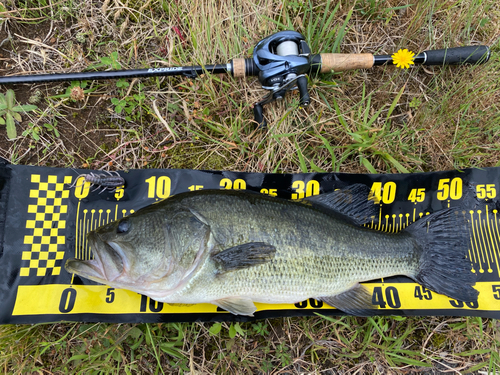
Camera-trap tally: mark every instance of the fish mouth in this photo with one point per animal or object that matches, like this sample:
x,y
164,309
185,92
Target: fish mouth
x,y
107,265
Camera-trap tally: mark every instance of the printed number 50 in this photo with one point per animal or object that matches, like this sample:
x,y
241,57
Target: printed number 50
x,y
449,189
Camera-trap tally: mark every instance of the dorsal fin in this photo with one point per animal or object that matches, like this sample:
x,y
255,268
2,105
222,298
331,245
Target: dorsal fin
x,y
351,201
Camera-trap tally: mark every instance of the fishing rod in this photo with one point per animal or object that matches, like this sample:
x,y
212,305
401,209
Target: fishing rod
x,y
281,61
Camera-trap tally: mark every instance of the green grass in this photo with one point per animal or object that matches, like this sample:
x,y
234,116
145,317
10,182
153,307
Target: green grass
x,y
382,120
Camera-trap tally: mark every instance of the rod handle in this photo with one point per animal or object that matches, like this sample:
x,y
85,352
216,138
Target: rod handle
x,y
242,68
339,62
458,55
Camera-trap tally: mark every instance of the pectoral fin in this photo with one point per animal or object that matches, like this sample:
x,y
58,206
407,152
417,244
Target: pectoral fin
x,y
243,256
355,301
237,305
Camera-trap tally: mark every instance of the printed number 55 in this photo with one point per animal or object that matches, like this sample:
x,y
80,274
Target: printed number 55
x,y
486,191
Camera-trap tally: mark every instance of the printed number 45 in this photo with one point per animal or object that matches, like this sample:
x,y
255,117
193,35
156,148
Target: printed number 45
x,y
417,195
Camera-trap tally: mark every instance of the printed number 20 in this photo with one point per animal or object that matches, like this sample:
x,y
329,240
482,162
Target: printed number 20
x,y
238,184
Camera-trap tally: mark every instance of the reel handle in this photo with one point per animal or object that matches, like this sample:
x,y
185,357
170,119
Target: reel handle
x,y
258,115
304,95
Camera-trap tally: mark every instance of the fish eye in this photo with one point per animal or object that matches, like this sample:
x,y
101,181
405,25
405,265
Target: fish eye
x,y
123,226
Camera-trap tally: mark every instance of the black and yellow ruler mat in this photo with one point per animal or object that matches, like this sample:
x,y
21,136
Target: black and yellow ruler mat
x,y
44,221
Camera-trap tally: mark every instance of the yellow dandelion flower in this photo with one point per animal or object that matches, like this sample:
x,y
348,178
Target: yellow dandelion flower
x,y
403,58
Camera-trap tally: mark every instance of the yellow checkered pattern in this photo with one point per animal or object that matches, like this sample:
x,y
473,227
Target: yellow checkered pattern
x,y
46,223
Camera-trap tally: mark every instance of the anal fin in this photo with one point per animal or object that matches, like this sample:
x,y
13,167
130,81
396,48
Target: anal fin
x,y
237,305
180,304
355,301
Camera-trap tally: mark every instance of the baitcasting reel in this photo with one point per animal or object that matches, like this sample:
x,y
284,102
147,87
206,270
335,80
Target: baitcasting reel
x,y
282,60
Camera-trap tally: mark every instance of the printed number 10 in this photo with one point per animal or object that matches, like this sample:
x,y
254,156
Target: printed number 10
x,y
158,188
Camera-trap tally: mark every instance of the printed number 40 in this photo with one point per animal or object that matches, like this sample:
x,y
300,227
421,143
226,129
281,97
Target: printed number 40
x,y
385,193
391,297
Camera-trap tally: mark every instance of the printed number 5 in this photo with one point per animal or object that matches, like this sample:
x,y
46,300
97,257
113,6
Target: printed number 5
x,y
110,295
496,291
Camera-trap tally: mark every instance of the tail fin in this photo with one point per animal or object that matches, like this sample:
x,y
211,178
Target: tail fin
x,y
443,238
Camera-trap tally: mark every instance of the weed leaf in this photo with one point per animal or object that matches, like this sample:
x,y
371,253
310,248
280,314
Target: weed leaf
x,y
215,329
9,97
24,108
11,127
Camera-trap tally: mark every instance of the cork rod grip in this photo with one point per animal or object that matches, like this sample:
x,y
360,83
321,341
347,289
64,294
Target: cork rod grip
x,y
239,68
339,62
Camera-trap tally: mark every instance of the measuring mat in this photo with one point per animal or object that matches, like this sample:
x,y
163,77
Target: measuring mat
x,y
45,214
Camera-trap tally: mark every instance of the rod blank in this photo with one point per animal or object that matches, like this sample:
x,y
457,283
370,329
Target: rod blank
x,y
188,71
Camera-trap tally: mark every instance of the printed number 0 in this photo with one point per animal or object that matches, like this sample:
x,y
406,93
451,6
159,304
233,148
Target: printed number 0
x,y
67,302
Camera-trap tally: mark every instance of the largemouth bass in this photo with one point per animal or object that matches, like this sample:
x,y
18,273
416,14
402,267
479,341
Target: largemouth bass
x,y
234,248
